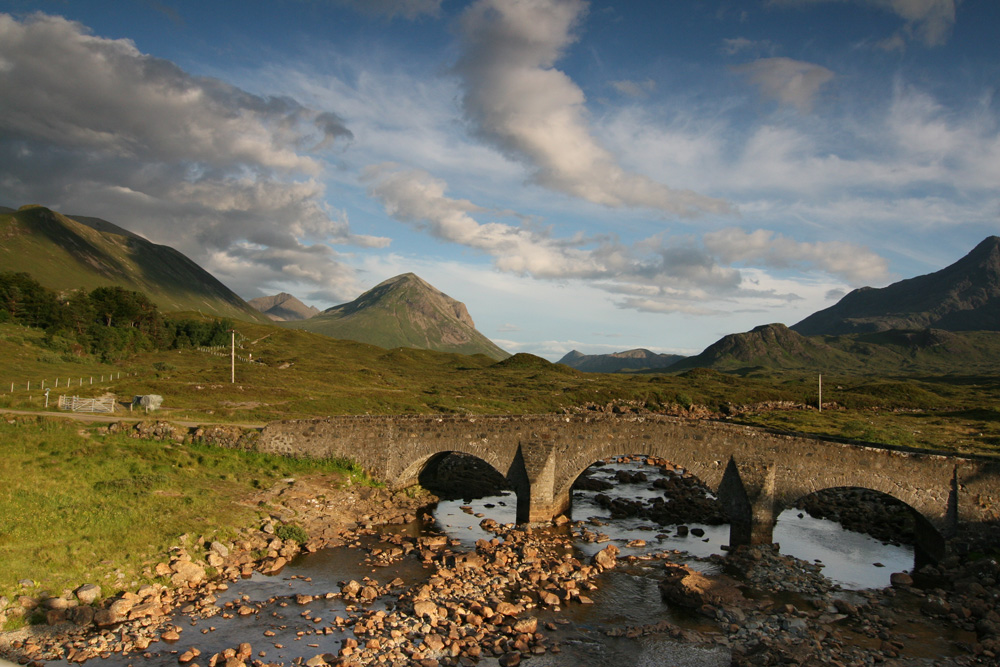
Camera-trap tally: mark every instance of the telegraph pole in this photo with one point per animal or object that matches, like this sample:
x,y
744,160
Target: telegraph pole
x,y
821,392
232,357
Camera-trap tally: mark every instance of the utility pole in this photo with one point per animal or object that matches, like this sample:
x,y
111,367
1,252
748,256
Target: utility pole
x,y
821,392
232,358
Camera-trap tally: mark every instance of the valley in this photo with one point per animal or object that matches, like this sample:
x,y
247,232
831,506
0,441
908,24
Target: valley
x,y
406,353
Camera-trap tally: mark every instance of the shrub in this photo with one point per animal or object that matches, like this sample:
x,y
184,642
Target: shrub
x,y
291,532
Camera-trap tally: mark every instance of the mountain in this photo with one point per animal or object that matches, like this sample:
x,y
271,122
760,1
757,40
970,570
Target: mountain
x,y
283,307
776,347
770,345
63,253
630,360
962,297
404,311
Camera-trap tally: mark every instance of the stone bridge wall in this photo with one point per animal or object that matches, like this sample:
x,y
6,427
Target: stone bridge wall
x,y
756,473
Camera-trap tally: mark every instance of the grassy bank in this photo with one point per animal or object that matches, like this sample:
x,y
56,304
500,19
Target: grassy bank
x,y
76,507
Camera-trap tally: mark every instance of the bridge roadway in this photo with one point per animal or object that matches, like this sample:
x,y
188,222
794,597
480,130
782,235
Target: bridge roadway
x,y
754,472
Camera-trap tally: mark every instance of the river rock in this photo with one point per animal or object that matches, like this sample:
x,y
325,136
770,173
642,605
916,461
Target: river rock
x,y
526,626
900,579
82,616
606,557
549,598
511,659
689,588
186,572
425,608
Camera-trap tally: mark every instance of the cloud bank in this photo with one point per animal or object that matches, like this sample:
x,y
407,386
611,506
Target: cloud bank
x,y
93,126
654,274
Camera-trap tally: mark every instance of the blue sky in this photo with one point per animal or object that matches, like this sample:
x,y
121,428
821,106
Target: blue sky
x,y
593,175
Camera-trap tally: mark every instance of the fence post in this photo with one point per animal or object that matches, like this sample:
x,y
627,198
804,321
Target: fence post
x,y
29,385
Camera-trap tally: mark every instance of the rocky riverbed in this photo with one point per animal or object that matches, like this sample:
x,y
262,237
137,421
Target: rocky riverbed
x,y
505,601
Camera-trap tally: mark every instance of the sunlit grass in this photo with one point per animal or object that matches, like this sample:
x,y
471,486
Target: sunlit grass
x,y
69,502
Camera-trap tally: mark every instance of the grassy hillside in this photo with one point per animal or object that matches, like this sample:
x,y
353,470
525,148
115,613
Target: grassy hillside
x,y
62,253
776,347
298,374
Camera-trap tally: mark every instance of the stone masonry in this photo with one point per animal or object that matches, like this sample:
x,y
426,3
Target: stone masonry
x,y
756,473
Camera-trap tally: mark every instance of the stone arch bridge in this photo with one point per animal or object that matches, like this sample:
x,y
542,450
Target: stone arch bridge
x,y
755,473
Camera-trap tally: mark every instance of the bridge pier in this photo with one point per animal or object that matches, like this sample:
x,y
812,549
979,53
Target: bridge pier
x,y
533,476
750,512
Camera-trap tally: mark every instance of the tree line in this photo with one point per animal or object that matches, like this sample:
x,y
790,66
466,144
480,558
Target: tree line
x,y
109,322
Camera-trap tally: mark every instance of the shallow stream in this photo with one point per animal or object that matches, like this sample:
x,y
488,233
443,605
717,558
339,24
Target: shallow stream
x,y
627,596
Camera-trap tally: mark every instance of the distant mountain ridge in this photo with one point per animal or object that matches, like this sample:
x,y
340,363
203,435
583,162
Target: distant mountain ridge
x,y
405,311
64,253
637,359
964,296
283,307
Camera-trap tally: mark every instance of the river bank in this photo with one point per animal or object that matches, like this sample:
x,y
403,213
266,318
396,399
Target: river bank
x,y
502,602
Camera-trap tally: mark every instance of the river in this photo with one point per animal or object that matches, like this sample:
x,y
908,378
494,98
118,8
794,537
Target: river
x,y
286,629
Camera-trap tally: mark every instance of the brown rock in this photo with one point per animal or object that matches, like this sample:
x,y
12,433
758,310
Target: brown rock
x,y
425,608
434,642
692,589
88,593
508,609
187,572
526,626
511,659
900,579
549,598
606,557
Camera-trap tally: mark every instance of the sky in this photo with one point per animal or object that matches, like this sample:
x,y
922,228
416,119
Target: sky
x,y
597,176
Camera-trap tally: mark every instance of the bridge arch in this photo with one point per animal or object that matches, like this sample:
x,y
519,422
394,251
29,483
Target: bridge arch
x,y
927,540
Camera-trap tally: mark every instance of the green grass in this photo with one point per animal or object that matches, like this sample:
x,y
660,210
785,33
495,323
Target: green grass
x,y
69,502
307,375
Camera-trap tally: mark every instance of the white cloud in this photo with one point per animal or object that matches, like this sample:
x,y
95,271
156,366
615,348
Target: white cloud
x,y
929,21
858,266
677,275
92,126
736,45
634,88
516,100
788,81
